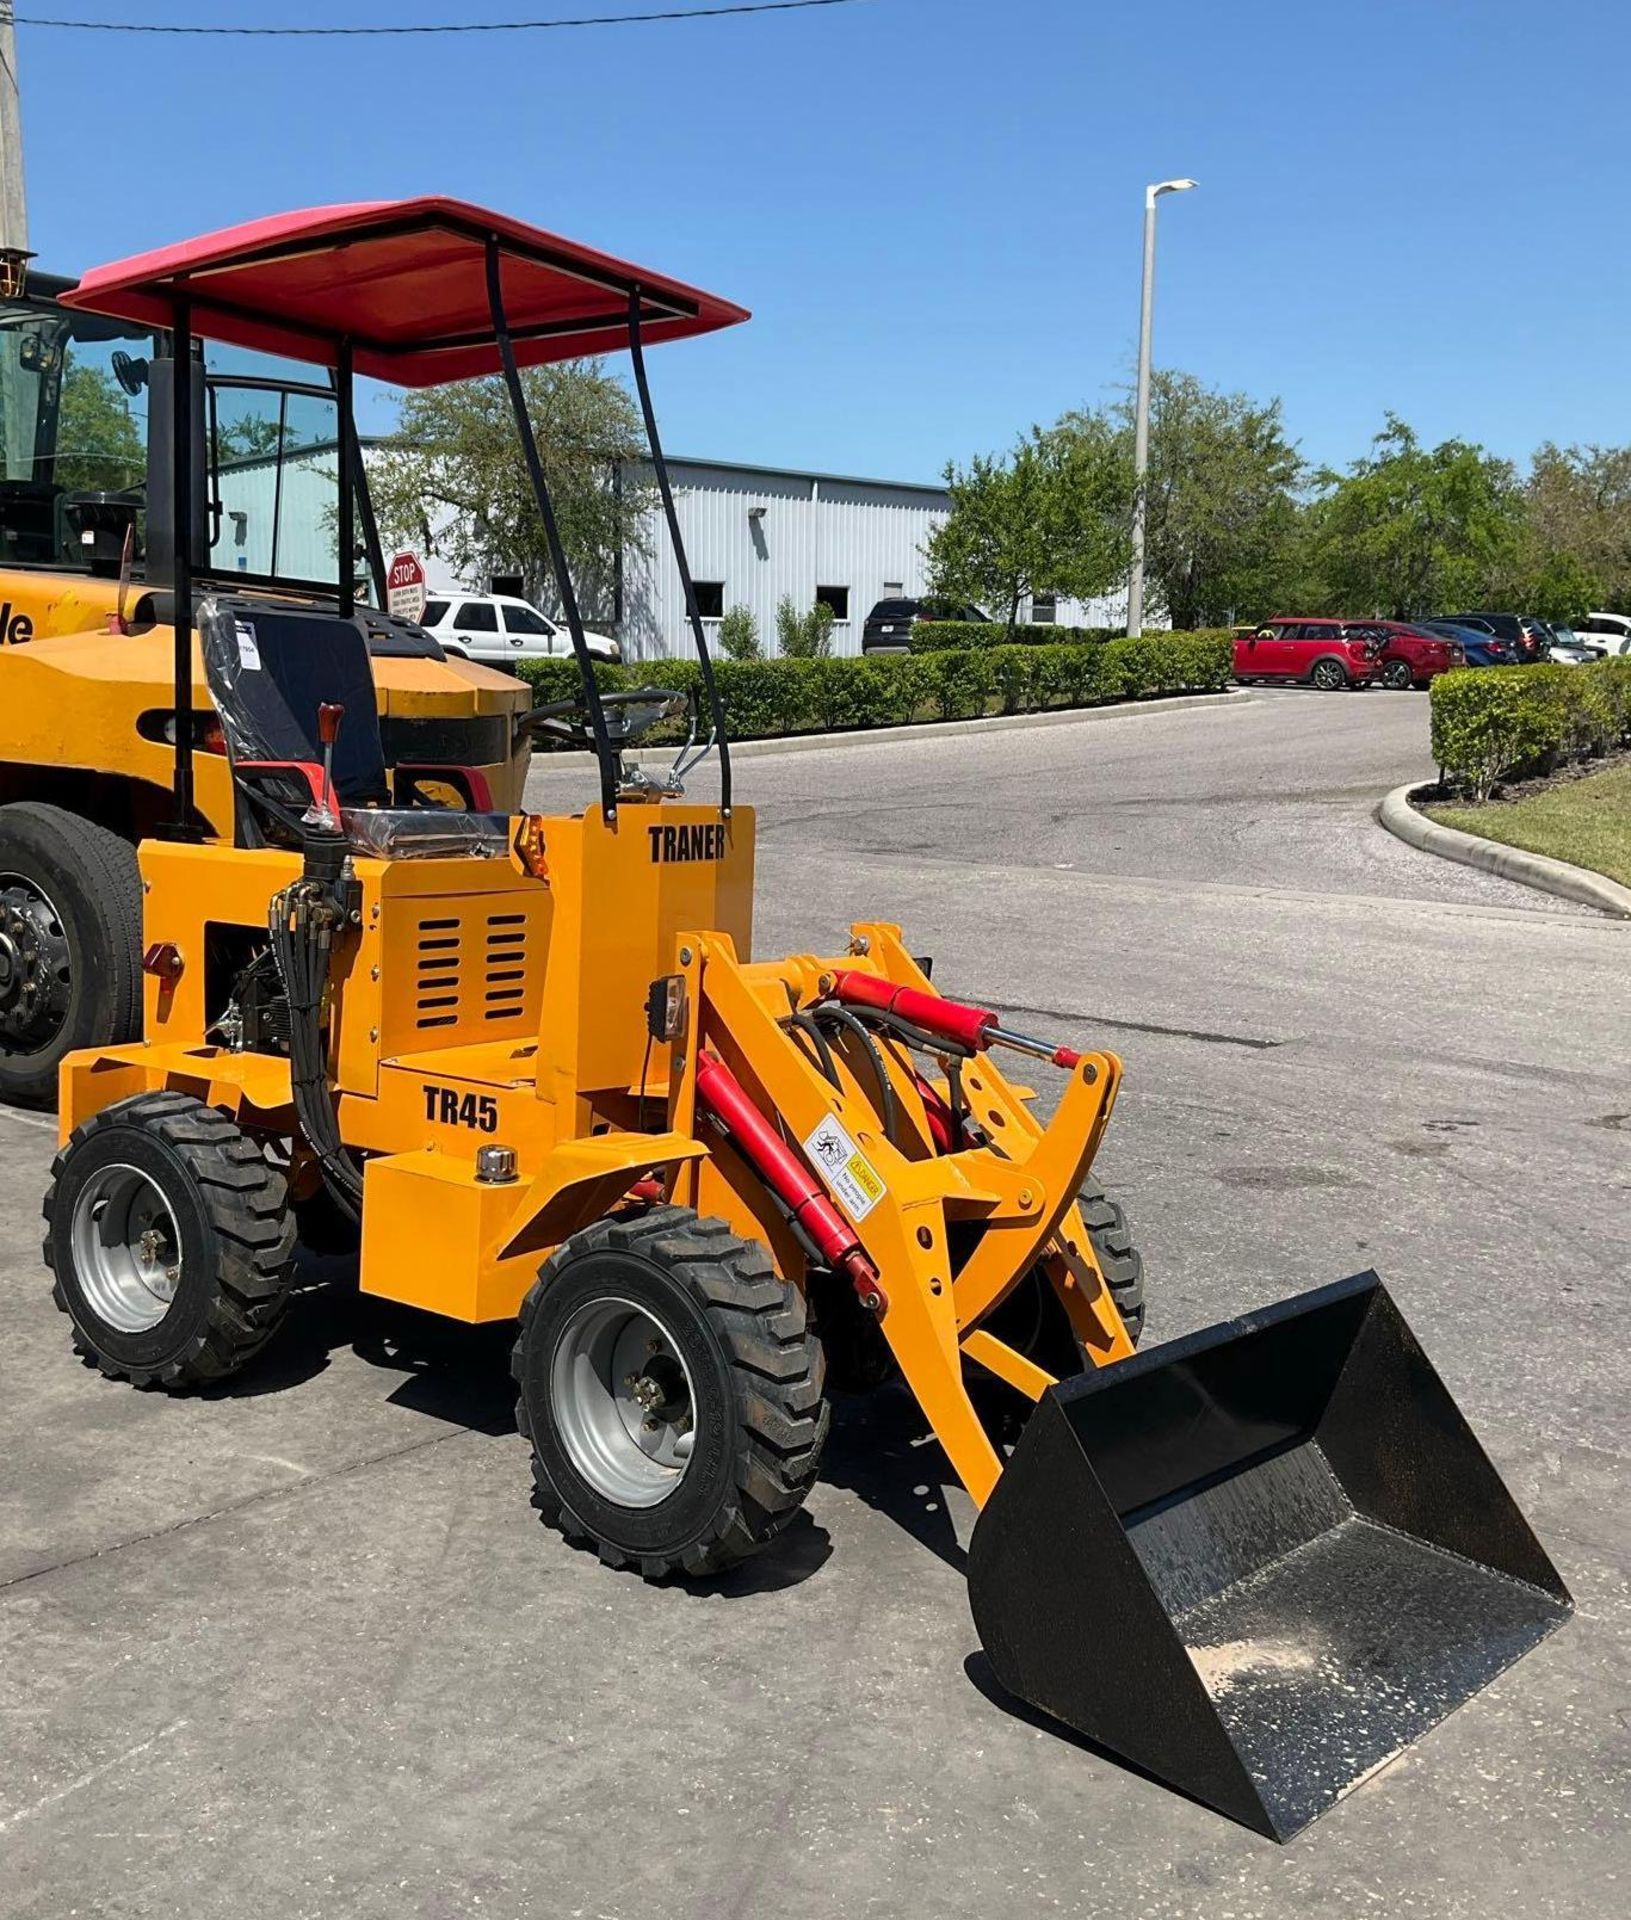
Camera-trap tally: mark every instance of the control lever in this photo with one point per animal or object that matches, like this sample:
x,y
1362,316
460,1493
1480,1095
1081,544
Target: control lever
x,y
329,716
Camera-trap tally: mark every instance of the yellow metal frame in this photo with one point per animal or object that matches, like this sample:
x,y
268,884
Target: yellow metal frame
x,y
483,1002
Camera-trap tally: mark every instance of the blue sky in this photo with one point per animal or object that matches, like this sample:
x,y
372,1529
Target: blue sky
x,y
933,206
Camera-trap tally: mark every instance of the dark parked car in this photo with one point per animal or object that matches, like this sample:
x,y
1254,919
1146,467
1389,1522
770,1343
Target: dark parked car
x,y
889,625
1326,653
1411,656
1528,637
1479,645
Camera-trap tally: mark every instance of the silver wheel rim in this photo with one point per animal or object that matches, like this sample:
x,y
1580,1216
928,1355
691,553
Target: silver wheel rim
x,y
34,966
1326,676
623,1402
126,1248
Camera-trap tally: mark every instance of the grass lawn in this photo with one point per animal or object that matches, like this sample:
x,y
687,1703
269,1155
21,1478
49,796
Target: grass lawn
x,y
1586,822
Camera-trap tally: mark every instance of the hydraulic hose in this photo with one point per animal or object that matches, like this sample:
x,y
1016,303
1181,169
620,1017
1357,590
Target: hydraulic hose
x,y
300,925
887,1109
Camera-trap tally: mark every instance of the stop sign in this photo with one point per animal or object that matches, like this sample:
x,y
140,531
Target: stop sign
x,y
405,587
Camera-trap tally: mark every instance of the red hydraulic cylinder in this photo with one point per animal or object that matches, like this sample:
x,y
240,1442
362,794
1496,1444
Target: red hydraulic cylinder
x,y
786,1175
973,1027
945,1019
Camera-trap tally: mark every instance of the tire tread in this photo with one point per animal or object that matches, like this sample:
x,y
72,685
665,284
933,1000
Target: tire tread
x,y
245,1200
776,1363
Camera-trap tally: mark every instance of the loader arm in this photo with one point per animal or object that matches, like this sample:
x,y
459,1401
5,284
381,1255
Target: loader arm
x,y
899,1197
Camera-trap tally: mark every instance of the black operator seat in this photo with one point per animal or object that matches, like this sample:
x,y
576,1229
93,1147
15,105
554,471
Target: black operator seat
x,y
270,667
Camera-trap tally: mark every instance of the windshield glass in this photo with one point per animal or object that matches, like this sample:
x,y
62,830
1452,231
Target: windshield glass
x,y
73,434
74,392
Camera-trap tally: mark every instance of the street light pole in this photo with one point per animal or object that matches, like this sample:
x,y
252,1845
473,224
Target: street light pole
x,y
1141,410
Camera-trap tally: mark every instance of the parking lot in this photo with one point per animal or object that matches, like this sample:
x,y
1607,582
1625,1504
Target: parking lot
x,y
301,1648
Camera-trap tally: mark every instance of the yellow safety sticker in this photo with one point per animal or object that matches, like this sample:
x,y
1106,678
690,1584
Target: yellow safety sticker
x,y
845,1168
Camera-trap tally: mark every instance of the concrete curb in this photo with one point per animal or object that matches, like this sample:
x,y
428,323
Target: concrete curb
x,y
955,729
1536,870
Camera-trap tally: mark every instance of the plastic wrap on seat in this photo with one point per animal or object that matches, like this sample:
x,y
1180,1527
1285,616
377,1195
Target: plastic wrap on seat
x,y
270,667
426,833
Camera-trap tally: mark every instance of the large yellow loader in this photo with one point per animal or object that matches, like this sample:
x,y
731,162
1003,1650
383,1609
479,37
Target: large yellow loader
x,y
539,1062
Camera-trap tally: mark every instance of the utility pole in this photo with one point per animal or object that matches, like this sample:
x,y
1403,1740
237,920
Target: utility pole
x,y
13,200
1141,409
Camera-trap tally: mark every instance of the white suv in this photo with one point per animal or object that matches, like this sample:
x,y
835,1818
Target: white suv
x,y
1608,633
499,631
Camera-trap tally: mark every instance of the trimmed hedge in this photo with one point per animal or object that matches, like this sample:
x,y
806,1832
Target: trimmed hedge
x,y
1496,723
764,698
942,636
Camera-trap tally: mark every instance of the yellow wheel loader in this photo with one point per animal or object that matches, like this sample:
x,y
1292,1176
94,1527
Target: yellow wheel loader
x,y
87,638
540,1064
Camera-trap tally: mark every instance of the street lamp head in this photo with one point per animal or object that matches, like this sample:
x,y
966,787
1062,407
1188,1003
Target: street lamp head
x,y
1168,186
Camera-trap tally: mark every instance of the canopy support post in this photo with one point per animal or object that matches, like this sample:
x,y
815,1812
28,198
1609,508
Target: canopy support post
x,y
346,463
182,826
716,707
604,752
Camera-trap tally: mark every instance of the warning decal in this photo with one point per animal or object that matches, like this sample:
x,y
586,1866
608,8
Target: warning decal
x,y
845,1168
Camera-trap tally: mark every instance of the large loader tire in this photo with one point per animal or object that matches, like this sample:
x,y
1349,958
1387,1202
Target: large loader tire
x,y
1032,1321
671,1389
70,945
169,1236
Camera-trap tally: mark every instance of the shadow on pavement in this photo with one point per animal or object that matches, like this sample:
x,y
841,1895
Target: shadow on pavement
x,y
450,1372
880,1448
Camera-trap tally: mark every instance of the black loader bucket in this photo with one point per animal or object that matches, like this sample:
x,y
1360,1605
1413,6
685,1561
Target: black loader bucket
x,y
1261,1561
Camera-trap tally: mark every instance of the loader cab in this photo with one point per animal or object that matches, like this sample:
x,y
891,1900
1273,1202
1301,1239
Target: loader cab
x,y
73,432
85,451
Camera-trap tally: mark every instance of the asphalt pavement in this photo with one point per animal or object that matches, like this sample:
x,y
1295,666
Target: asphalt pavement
x,y
301,1648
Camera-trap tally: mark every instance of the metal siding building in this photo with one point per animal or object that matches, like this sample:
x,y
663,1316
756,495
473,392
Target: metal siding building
x,y
757,533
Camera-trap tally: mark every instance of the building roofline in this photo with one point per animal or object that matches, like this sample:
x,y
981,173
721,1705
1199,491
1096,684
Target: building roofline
x,y
804,473
371,440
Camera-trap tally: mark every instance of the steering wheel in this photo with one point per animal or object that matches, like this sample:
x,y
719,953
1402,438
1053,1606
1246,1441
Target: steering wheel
x,y
628,715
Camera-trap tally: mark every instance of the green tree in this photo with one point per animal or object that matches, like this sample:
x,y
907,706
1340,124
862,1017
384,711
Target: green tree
x,y
739,635
1579,512
1221,517
99,446
1051,518
453,482
803,636
1410,530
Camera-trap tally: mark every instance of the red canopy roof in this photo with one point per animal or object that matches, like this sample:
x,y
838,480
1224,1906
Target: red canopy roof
x,y
405,281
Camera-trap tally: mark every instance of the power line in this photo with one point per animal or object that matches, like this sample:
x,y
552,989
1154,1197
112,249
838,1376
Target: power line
x,y
471,26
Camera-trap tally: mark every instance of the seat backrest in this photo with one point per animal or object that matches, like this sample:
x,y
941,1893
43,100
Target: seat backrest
x,y
270,667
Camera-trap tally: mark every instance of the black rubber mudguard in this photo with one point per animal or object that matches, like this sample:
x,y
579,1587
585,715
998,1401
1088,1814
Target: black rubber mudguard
x,y
1258,1562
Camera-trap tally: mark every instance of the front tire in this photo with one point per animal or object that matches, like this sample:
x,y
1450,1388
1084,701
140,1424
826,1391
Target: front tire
x,y
169,1237
672,1392
70,945
1398,676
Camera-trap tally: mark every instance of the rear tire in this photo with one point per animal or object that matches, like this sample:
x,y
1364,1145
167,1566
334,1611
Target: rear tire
x,y
70,945
672,1392
1329,675
169,1236
1397,675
